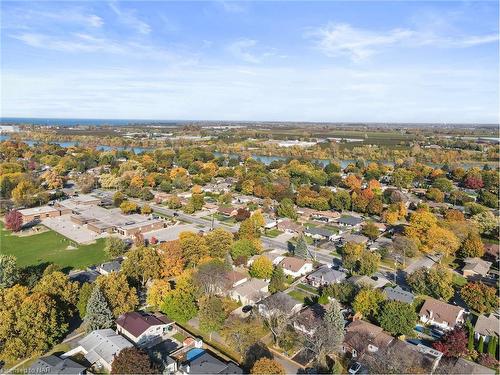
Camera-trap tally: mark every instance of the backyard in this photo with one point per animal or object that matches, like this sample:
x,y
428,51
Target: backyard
x,y
50,247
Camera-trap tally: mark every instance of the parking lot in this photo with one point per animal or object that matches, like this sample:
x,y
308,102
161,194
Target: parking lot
x,y
64,226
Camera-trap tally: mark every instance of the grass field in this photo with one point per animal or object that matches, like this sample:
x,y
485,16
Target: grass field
x,y
298,295
50,247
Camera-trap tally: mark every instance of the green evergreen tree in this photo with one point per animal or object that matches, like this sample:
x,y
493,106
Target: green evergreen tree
x,y
470,345
301,250
335,320
492,346
277,282
98,314
480,346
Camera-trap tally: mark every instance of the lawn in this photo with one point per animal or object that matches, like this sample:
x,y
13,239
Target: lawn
x,y
272,233
308,288
50,247
298,295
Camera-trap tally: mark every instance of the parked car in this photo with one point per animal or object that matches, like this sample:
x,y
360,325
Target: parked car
x,y
247,308
355,367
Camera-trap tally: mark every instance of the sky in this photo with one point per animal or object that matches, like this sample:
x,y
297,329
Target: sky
x,y
331,61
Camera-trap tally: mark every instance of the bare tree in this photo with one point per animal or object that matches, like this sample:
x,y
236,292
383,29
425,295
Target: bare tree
x,y
275,315
210,278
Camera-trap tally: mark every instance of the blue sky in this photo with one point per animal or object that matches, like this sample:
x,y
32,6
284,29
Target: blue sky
x,y
409,61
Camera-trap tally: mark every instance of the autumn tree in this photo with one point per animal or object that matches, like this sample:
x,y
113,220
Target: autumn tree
x,y
351,253
194,248
370,230
142,264
83,297
13,220
266,366
341,200
180,303
241,334
368,263
480,297
157,292
435,282
368,302
118,198
58,286
132,361
219,242
120,296
262,268
211,314
98,314
9,272
286,209
172,260
128,207
397,318
472,246
210,277
115,246
453,343
146,209
245,248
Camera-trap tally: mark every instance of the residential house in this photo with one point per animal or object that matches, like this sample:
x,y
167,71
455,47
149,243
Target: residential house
x,y
362,337
83,276
487,326
52,364
273,257
290,226
144,329
270,223
463,366
475,267
356,238
376,281
296,267
325,216
325,275
108,267
321,233
100,348
370,344
282,301
309,319
227,211
250,292
200,361
351,222
234,278
398,294
441,314
380,243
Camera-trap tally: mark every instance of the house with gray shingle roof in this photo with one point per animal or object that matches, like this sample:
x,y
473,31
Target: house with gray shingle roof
x,y
325,276
398,294
487,326
52,364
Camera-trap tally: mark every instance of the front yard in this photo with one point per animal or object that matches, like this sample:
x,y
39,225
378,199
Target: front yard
x,y
50,247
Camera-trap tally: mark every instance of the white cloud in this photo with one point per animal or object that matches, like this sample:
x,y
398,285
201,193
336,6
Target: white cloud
x,y
255,93
340,39
129,18
241,49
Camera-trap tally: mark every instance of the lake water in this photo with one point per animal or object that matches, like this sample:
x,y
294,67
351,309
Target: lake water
x,y
265,159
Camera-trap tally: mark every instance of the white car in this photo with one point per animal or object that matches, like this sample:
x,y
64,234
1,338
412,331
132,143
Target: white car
x,y
355,367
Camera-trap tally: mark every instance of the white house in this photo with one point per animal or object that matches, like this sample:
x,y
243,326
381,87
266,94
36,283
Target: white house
x,y
441,314
144,329
296,267
100,347
250,292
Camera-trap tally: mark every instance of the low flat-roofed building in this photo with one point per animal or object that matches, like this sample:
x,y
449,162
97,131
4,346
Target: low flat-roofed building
x,y
39,213
250,292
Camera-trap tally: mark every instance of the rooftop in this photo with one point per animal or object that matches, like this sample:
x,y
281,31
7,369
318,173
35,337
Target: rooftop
x,y
137,323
